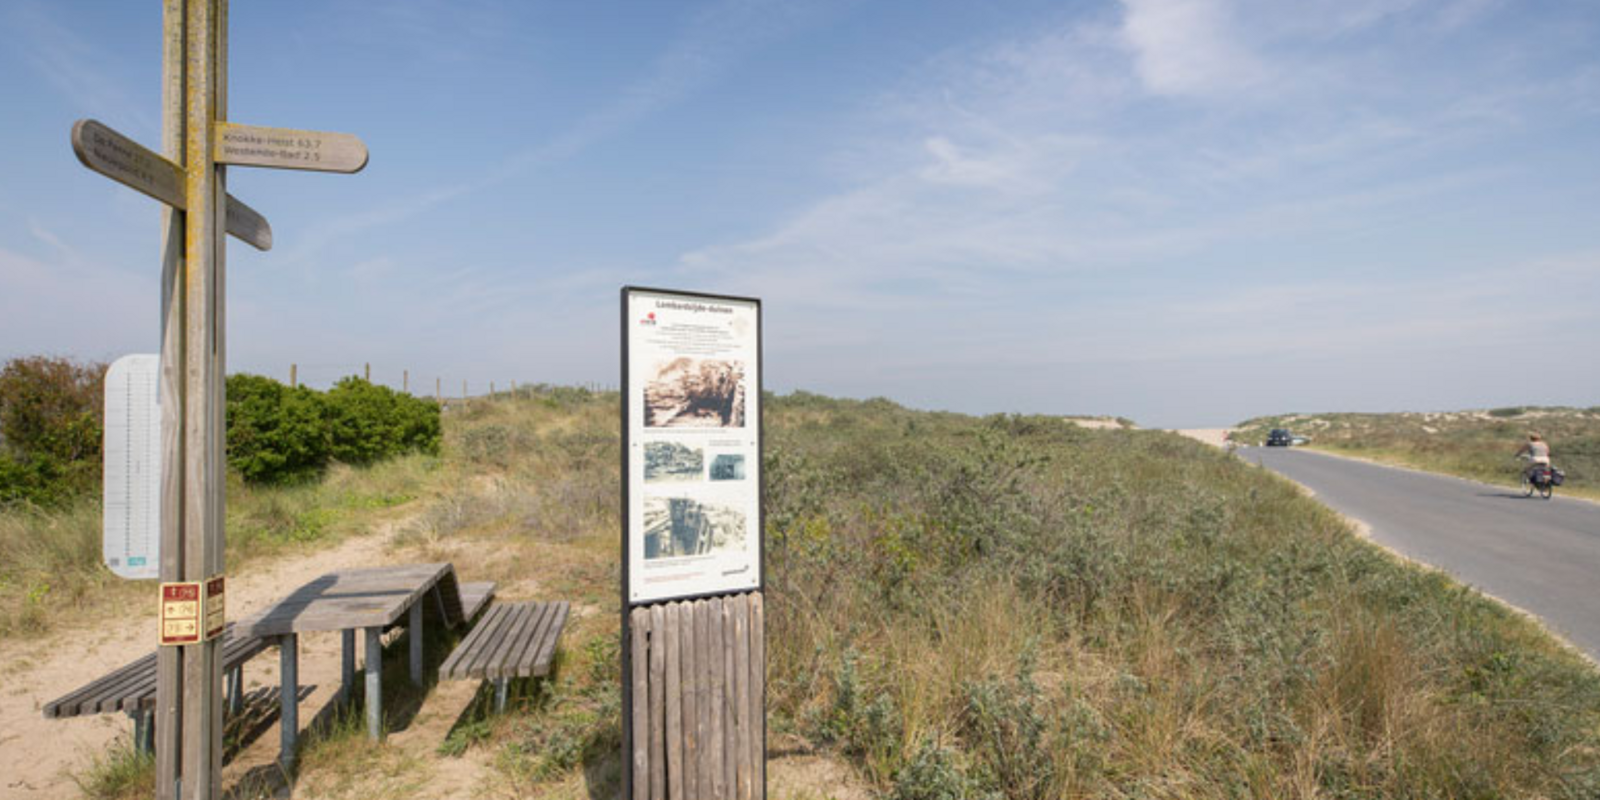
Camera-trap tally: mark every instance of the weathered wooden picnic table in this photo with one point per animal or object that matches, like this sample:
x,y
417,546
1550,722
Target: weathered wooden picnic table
x,y
369,599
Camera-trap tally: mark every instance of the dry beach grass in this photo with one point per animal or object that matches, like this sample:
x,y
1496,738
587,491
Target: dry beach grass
x,y
1012,607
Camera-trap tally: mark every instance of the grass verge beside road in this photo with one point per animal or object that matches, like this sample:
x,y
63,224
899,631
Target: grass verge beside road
x,y
1478,445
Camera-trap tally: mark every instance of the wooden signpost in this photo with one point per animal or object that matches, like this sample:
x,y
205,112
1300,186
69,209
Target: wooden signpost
x,y
127,162
189,180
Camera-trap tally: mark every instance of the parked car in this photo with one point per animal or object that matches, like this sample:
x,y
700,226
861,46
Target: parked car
x,y
1279,437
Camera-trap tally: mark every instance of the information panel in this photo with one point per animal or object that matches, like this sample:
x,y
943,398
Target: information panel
x,y
132,450
692,437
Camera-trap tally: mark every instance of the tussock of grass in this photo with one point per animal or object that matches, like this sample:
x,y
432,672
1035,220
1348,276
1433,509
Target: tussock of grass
x,y
121,773
1470,444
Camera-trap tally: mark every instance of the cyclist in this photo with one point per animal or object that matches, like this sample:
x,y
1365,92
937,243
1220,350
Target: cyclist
x,y
1537,451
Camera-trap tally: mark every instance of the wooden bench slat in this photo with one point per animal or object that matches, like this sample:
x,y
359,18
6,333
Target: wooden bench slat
x,y
66,705
522,627
547,650
235,651
495,634
481,641
519,660
457,665
492,628
512,640
133,686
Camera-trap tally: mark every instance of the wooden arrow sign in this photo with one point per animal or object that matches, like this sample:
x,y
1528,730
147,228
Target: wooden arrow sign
x,y
127,162
286,148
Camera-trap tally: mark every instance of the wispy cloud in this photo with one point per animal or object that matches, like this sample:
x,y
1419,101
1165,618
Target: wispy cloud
x,y
1188,47
1118,163
81,72
715,40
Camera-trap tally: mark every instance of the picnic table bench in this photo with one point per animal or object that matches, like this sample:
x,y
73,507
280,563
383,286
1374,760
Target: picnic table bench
x,y
370,599
132,688
513,640
373,599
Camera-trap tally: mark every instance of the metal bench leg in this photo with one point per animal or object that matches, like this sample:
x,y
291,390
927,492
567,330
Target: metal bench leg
x,y
347,664
414,633
289,698
375,683
438,599
143,731
236,690
500,691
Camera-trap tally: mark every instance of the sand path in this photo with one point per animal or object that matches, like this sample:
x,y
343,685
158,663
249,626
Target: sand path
x,y
1216,437
38,755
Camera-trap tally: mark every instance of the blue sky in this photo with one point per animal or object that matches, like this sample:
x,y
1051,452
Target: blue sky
x,y
1187,212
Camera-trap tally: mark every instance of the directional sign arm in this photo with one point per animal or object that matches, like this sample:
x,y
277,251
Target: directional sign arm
x,y
247,225
287,148
127,162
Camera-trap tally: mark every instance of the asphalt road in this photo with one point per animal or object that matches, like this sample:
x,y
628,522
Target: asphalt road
x,y
1540,555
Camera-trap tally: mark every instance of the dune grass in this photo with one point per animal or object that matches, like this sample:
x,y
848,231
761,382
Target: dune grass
x,y
1470,444
1012,607
53,572
1015,607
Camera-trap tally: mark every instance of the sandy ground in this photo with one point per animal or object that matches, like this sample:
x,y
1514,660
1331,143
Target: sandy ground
x,y
37,755
1097,423
1216,437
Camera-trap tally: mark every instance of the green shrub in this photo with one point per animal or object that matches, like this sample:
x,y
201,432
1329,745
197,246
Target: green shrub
x,y
36,481
276,434
368,422
51,413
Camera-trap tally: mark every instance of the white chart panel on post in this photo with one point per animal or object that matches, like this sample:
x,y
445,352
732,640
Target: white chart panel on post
x,y
132,451
694,444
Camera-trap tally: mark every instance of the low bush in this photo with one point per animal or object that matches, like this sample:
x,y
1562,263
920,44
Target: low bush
x,y
279,434
368,422
276,434
51,413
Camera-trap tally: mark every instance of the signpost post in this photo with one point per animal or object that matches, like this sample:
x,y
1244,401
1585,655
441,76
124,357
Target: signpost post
x,y
197,213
